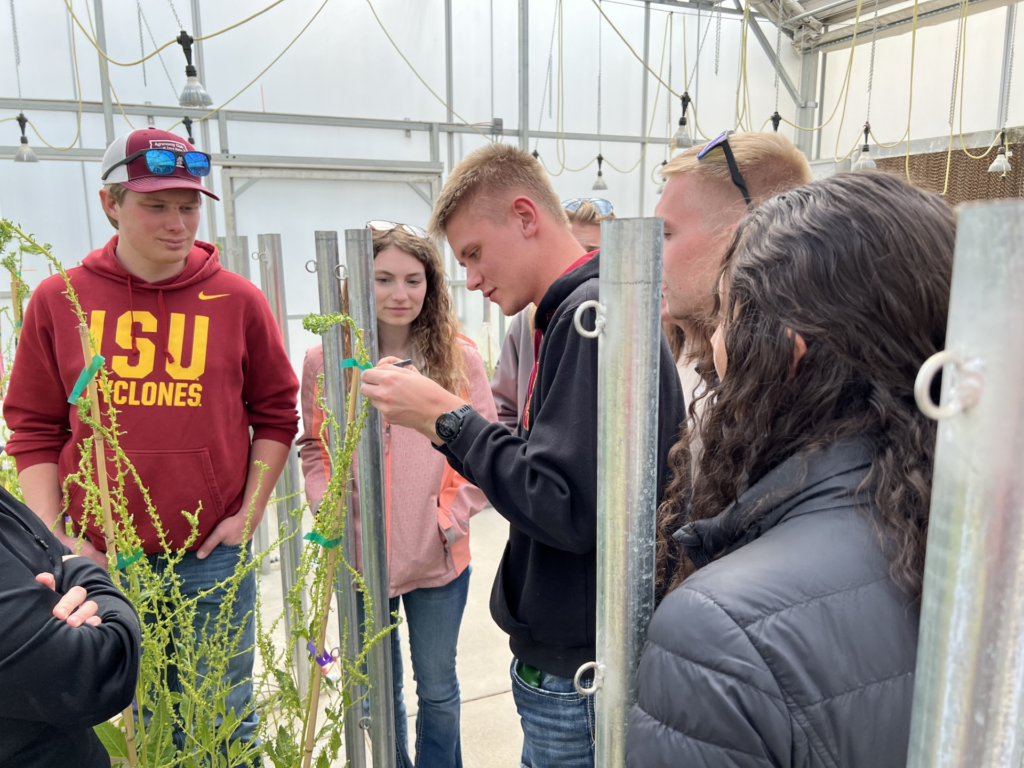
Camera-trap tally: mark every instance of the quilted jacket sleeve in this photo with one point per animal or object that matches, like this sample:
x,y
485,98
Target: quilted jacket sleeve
x,y
705,697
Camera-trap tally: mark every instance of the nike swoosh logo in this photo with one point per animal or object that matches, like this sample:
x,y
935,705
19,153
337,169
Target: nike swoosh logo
x,y
204,297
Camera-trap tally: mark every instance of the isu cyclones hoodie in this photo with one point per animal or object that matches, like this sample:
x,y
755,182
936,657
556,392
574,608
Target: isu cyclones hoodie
x,y
194,362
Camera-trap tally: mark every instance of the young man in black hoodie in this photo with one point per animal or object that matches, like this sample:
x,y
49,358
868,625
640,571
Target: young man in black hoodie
x,y
505,224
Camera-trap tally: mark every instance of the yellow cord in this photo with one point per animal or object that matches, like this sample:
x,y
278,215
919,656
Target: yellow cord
x,y
248,85
411,67
846,98
963,145
169,43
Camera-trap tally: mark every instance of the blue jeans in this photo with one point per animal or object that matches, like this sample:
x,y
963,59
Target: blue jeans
x,y
198,576
558,723
433,616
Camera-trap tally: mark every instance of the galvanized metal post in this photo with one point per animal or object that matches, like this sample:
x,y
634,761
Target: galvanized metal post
x,y
969,689
272,277
627,408
524,74
643,106
235,256
359,260
806,105
204,125
101,42
329,283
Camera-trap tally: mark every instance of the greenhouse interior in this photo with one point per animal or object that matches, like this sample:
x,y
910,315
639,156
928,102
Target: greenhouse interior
x,y
748,495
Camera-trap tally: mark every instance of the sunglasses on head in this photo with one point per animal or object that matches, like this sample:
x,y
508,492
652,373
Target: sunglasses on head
x,y
162,162
601,205
734,170
378,225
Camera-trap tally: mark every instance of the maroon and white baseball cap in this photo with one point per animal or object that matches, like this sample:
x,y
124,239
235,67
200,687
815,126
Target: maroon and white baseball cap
x,y
136,175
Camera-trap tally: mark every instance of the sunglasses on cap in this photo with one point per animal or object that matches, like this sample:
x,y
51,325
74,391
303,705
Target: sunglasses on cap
x,y
386,226
734,170
601,205
162,162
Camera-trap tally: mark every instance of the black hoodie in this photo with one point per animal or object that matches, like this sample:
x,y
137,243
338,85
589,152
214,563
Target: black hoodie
x,y
57,681
543,480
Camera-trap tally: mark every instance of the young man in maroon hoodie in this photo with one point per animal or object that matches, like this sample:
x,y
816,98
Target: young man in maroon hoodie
x,y
195,361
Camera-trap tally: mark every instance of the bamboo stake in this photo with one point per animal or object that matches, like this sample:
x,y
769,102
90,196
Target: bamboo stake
x,y
16,308
108,519
332,560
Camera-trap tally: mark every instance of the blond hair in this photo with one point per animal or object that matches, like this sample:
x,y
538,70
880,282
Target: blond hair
x,y
587,214
435,331
487,178
770,165
117,192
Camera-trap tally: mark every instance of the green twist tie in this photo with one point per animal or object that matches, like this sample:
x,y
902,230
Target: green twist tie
x,y
353,363
325,543
123,562
88,374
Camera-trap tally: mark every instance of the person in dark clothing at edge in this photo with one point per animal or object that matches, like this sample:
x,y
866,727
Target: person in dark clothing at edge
x,y
506,226
70,646
795,551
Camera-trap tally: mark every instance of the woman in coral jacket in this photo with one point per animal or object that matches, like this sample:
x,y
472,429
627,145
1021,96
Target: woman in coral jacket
x,y
428,504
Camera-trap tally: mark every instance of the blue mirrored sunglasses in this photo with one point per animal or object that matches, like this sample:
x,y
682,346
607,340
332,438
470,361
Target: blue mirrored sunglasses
x,y
601,205
734,170
162,162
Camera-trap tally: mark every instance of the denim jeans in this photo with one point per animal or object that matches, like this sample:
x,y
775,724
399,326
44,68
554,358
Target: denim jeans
x,y
433,616
198,576
558,723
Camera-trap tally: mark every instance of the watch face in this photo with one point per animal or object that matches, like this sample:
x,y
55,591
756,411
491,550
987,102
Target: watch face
x,y
446,426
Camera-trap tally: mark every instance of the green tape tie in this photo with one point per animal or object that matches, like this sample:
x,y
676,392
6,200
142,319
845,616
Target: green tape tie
x,y
123,562
325,543
88,374
353,363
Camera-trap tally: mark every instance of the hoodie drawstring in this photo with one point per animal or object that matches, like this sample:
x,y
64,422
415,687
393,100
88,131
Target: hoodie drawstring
x,y
131,310
163,326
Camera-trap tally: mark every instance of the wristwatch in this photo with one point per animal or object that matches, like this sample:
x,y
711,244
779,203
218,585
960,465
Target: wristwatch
x,y
449,423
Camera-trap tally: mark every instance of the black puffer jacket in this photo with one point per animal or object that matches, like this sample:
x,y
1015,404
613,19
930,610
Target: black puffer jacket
x,y
791,646
56,681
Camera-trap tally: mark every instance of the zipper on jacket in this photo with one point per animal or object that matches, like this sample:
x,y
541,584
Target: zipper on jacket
x,y
28,530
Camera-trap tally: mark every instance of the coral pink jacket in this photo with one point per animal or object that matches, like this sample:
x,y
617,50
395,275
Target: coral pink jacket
x,y
428,504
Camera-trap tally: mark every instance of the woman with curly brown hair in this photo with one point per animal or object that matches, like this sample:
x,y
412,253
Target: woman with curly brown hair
x,y
428,505
792,544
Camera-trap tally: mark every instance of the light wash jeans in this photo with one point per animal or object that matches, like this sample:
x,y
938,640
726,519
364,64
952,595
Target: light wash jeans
x,y
433,616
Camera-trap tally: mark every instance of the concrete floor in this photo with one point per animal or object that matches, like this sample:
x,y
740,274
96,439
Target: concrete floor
x,y
491,734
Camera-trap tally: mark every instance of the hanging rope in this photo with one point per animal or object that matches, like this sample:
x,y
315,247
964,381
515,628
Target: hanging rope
x,y
718,39
175,12
163,63
548,82
871,67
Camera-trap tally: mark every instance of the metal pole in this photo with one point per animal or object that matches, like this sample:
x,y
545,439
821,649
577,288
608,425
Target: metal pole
x,y
806,105
329,287
524,74
359,259
449,79
969,687
627,408
204,125
235,256
643,106
101,42
272,276
261,537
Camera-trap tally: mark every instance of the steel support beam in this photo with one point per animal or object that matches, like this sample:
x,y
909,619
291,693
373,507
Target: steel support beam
x,y
643,105
101,42
449,78
769,51
895,23
524,75
204,125
806,104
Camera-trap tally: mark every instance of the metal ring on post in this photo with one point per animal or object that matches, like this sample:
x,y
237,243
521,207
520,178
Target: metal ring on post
x,y
364,723
341,272
590,665
599,320
259,256
311,266
964,396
